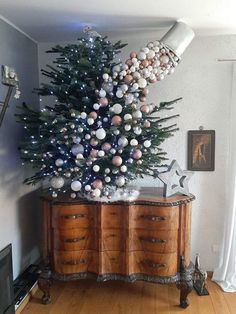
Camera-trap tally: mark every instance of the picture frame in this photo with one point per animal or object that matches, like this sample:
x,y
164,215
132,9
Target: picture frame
x,y
201,150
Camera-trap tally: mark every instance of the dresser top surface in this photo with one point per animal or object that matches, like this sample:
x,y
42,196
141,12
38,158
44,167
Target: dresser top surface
x,y
147,195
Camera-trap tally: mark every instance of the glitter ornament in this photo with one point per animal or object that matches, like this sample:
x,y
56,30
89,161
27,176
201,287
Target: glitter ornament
x,y
57,182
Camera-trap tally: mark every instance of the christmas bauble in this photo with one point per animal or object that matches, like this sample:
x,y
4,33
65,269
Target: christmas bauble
x,y
123,168
57,182
96,193
119,93
87,188
117,108
147,124
97,184
93,153
101,134
113,151
106,146
90,121
127,116
105,77
93,115
120,181
164,59
54,194
117,161
137,130
96,168
94,142
107,179
142,82
77,149
79,156
116,120
107,170
101,153
103,101
141,55
127,127
102,93
73,195
147,143
128,79
59,162
151,54
137,114
76,185
122,141
96,106
133,142
76,140
137,154
145,109
83,115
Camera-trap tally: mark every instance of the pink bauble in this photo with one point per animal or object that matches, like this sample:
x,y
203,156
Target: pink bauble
x,y
147,124
97,184
129,62
128,79
93,142
142,98
145,109
116,120
145,63
133,54
106,147
137,154
145,91
93,115
153,81
103,101
117,161
93,153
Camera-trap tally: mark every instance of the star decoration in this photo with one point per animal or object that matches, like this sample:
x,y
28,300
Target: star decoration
x,y
175,180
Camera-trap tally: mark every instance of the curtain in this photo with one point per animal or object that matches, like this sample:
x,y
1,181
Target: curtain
x,y
225,274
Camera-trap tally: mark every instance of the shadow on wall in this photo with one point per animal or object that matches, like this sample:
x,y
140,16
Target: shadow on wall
x,y
30,226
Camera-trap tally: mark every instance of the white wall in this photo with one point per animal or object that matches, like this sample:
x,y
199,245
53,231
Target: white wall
x,y
205,86
19,213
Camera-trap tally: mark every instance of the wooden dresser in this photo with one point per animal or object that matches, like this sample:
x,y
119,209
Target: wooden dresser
x,y
147,239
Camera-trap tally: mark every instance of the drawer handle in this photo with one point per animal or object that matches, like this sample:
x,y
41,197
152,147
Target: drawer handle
x,y
73,240
75,262
154,218
152,240
77,216
150,263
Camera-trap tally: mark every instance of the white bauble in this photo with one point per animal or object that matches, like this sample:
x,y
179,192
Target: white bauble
x,y
113,151
142,82
96,168
90,121
59,162
137,130
77,149
76,140
107,170
164,59
87,188
152,76
136,75
80,130
127,127
105,119
150,45
145,50
129,99
127,116
151,54
120,181
122,141
76,185
96,106
79,156
147,143
101,153
96,192
156,43
87,136
134,60
119,93
141,55
54,194
146,73
156,49
117,108
83,115
124,88
102,93
137,114
133,142
107,179
132,68
116,132
135,86
105,77
57,182
160,77
123,168
116,68
100,134
73,195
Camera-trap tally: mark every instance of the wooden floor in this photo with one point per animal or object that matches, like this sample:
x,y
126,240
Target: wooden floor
x,y
90,297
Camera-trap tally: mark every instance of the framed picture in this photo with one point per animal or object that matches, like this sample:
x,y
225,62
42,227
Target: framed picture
x,y
201,150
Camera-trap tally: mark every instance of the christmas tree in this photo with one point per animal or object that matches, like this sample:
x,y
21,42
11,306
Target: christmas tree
x,y
99,133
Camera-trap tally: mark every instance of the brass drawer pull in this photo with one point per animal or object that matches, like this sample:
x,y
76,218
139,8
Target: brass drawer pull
x,y
76,216
150,263
73,240
154,218
75,262
152,240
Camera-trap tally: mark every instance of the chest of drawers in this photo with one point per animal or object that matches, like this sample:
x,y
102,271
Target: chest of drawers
x,y
148,239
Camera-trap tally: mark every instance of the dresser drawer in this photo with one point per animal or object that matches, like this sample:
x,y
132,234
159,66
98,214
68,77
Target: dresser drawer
x,y
69,262
112,240
73,216
153,217
112,216
161,241
75,239
152,263
112,262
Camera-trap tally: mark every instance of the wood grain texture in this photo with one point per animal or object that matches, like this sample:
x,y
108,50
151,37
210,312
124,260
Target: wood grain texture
x,y
112,239
89,297
112,216
112,262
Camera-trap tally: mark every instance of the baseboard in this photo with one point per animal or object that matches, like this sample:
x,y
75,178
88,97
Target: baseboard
x,y
27,298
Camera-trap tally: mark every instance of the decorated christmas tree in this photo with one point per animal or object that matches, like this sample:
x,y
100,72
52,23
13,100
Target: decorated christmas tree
x,y
99,133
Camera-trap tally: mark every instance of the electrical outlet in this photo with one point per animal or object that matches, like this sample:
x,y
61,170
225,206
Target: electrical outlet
x,y
215,248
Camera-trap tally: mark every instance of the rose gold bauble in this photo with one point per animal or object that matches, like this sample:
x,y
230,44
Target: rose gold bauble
x,y
93,115
145,109
137,154
147,124
116,120
103,101
129,62
133,54
97,184
93,153
152,81
106,147
93,142
145,91
128,79
117,161
145,63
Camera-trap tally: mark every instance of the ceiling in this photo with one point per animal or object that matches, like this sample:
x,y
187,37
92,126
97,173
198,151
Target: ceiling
x,y
62,20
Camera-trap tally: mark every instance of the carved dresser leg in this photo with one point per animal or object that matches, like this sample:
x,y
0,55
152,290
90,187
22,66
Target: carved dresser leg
x,y
44,283
185,283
